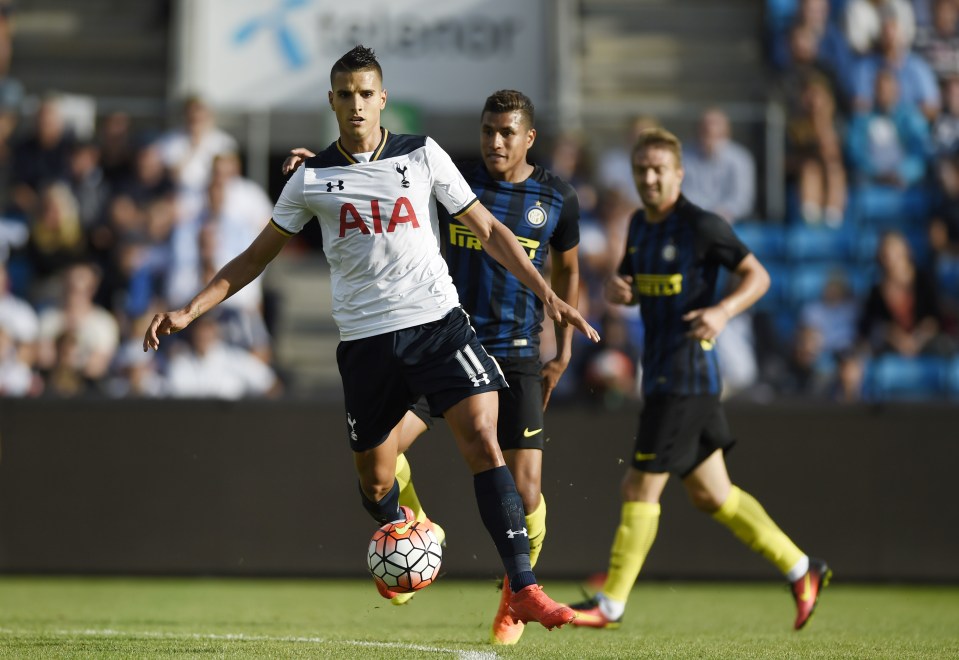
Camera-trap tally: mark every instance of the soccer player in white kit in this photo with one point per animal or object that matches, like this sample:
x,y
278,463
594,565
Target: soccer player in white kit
x,y
403,333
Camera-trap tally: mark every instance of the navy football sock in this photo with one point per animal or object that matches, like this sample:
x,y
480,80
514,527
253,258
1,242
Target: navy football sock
x,y
387,509
501,509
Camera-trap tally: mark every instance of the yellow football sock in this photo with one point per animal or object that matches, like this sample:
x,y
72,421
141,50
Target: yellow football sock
x,y
536,528
404,478
638,523
747,519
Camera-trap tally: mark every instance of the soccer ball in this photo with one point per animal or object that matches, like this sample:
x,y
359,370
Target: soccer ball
x,y
404,556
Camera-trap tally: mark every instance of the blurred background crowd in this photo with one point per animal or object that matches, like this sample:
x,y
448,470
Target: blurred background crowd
x,y
100,229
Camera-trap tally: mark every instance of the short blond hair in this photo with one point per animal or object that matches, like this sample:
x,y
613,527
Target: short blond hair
x,y
659,138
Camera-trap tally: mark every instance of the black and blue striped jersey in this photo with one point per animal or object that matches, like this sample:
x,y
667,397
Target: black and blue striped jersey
x,y
543,212
674,264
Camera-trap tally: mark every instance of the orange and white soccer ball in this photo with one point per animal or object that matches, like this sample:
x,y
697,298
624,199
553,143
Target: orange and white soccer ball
x,y
404,556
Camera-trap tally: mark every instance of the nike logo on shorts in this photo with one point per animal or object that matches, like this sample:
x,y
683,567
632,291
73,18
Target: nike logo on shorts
x,y
529,434
640,456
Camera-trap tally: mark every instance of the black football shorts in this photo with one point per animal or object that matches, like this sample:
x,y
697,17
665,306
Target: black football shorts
x,y
678,432
384,375
521,405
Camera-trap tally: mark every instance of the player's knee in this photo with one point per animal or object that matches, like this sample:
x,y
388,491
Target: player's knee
x,y
704,500
375,490
375,480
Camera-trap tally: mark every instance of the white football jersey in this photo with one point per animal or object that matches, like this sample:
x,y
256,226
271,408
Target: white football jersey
x,y
380,230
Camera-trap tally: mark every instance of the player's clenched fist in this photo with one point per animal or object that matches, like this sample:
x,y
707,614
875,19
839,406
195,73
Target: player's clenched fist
x,y
619,289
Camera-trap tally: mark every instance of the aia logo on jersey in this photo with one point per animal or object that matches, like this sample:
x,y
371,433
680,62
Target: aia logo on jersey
x,y
402,172
402,213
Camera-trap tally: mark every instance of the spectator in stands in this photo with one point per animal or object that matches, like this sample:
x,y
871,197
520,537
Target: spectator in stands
x,y
889,144
78,336
16,376
938,43
902,314
88,184
864,19
141,218
944,222
144,204
720,173
209,367
809,370
42,157
615,171
10,99
65,377
117,147
917,82
834,315
19,320
804,65
231,219
56,240
822,44
945,130
608,370
135,373
188,150
814,159
738,362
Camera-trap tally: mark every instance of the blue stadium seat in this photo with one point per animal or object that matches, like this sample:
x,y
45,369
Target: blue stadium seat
x,y
805,243
780,275
780,13
884,207
952,378
808,279
766,241
894,377
947,276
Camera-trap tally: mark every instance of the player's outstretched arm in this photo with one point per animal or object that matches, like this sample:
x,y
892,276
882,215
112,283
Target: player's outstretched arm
x,y
708,322
564,279
501,244
242,270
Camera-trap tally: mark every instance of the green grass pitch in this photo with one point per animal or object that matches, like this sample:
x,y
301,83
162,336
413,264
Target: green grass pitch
x,y
56,617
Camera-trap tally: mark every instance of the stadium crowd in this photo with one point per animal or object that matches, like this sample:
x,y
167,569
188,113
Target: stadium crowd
x,y
98,234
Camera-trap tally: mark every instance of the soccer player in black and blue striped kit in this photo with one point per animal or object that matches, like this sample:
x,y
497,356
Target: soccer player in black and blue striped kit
x,y
543,212
674,251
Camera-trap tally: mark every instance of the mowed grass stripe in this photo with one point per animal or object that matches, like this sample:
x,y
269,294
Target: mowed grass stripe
x,y
242,637
239,618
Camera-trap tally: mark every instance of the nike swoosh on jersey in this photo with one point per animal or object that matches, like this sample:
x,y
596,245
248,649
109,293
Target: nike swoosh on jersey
x,y
640,456
529,434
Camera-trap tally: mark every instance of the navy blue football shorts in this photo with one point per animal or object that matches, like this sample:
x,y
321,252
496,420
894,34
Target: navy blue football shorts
x,y
384,375
678,432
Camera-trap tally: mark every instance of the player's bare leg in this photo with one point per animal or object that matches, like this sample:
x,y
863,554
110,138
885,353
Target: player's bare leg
x,y
711,491
473,422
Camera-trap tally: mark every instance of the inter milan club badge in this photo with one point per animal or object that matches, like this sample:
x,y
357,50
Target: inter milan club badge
x,y
535,215
669,252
